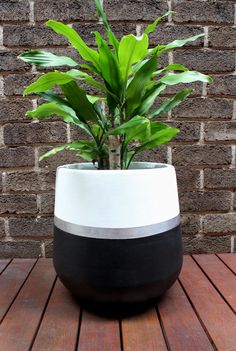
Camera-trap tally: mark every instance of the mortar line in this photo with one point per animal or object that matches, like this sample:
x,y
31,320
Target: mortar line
x,y
233,159
170,20
31,13
234,14
1,36
138,30
43,252
1,86
68,132
206,37
234,110
169,155
232,239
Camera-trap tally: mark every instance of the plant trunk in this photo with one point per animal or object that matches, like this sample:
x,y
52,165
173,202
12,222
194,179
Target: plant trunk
x,y
114,152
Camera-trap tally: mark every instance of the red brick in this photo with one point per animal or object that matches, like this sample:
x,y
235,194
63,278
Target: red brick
x,y
47,203
222,37
220,178
196,155
205,201
219,224
209,61
190,224
189,131
14,84
35,133
223,86
220,131
188,179
206,244
31,227
203,12
16,157
21,249
18,204
14,110
204,108
2,228
14,10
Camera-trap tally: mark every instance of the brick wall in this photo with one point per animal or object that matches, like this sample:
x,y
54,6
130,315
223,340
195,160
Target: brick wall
x,y
204,152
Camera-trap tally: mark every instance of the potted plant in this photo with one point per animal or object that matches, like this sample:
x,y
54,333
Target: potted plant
x,y
117,237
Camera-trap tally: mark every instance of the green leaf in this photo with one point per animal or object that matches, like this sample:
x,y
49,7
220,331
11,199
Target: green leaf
x,y
46,59
79,102
136,88
85,149
172,67
174,44
149,99
153,25
80,75
74,38
171,103
111,36
47,82
110,68
131,50
52,108
129,125
185,77
52,97
159,138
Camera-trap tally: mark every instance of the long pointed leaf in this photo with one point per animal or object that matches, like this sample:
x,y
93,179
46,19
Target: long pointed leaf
x,y
131,50
78,100
74,38
171,103
136,88
46,59
185,77
47,82
151,27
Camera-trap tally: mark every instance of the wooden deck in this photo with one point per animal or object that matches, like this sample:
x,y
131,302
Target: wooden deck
x,y
197,314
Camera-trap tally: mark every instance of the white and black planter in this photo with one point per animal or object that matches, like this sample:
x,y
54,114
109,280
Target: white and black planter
x,y
117,240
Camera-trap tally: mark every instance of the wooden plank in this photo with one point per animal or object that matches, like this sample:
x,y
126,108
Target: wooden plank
x,y
182,327
143,333
98,334
229,260
223,279
59,327
217,317
11,281
3,264
21,322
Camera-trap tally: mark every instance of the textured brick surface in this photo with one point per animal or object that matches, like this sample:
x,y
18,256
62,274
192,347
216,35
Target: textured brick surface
x,y
211,11
33,182
209,61
26,249
206,244
219,224
17,157
220,131
220,178
201,201
35,133
224,37
14,10
204,108
31,226
18,204
223,86
134,9
203,153
14,110
27,35
10,62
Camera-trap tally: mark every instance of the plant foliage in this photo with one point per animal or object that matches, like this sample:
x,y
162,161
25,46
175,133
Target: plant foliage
x,y
128,81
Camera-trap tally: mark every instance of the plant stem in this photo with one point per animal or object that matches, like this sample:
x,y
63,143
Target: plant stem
x,y
114,148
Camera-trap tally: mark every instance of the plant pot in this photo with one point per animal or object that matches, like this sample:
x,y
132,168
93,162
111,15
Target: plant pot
x,y
117,240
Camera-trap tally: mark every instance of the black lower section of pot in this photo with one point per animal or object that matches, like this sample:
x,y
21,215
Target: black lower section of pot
x,y
118,277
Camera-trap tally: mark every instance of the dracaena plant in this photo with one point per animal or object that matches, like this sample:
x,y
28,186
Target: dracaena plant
x,y
120,119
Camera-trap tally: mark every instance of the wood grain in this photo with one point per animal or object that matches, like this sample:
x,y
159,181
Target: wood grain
x,y
229,260
223,279
21,322
59,327
11,281
181,325
3,264
99,334
217,317
143,333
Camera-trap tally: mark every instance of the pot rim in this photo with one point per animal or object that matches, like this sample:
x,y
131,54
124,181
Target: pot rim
x,y
135,166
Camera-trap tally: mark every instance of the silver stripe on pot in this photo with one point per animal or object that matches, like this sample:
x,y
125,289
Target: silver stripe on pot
x,y
117,233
